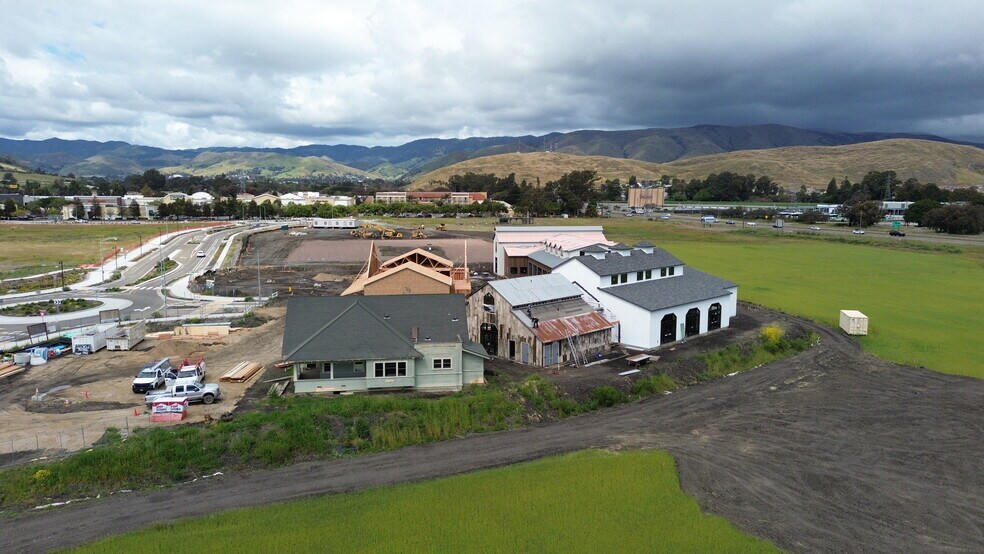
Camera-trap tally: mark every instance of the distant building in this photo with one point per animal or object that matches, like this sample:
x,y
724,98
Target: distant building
x,y
265,198
512,245
389,197
653,197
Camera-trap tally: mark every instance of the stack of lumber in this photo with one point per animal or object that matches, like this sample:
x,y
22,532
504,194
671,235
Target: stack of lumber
x,y
242,372
8,369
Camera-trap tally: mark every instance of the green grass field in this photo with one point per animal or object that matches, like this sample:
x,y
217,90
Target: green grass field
x,y
591,501
38,247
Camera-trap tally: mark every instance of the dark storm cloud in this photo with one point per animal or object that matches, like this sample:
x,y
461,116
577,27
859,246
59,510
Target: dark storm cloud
x,y
188,74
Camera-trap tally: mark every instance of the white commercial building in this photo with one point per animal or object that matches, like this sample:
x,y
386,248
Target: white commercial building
x,y
512,245
656,299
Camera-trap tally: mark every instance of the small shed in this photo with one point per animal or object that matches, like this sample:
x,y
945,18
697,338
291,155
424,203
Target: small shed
x,y
853,322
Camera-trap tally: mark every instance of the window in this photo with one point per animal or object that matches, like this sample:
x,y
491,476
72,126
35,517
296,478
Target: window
x,y
523,270
624,278
442,363
672,270
649,274
614,279
662,272
390,369
311,365
513,270
638,276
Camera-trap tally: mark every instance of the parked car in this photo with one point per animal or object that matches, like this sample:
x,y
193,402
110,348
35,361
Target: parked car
x,y
729,222
814,228
858,231
200,254
189,373
895,233
153,375
194,392
750,223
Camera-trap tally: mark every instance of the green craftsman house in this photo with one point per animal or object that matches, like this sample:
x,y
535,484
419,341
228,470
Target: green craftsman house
x,y
365,343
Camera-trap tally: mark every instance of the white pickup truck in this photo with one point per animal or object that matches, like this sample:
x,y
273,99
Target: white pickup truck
x,y
188,373
194,392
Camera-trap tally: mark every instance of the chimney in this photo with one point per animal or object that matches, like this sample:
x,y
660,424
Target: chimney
x,y
413,333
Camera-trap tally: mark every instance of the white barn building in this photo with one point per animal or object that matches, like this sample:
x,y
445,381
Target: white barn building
x,y
655,297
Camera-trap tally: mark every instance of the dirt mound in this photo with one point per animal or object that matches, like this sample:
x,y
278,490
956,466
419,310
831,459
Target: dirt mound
x,y
176,349
322,277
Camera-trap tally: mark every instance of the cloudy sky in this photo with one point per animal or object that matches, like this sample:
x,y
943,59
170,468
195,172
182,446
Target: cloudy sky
x,y
182,74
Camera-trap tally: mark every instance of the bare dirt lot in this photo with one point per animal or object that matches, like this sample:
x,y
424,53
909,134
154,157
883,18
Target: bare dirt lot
x,y
90,393
831,450
325,261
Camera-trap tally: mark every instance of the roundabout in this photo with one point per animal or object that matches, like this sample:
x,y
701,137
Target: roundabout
x,y
103,303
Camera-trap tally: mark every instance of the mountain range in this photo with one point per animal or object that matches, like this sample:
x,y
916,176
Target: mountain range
x,y
407,161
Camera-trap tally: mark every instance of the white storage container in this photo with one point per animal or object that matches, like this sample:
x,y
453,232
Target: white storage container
x,y
127,337
89,343
853,322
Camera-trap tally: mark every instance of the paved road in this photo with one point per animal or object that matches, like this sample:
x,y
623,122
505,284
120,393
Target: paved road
x,y
831,451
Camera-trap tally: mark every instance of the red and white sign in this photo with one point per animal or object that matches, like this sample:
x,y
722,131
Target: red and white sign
x,y
169,409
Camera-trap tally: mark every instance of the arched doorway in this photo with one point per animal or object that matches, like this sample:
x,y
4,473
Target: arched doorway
x,y
667,329
692,323
714,317
489,337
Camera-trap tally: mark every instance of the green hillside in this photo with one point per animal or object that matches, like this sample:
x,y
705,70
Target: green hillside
x,y
265,164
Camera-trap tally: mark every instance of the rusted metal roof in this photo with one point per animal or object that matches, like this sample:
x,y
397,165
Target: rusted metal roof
x,y
571,326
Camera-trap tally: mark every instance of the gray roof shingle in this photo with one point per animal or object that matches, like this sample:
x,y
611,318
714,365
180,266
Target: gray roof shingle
x,y
687,288
637,260
328,328
546,259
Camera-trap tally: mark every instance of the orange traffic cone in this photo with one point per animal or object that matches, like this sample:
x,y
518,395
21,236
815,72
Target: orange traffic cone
x,y
136,413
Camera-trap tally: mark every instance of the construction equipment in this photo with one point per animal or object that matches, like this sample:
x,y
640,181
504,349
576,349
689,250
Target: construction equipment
x,y
442,227
374,230
417,235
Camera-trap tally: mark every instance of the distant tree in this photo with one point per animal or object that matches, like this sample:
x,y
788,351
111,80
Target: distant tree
x,y
96,212
918,210
206,210
863,213
134,209
9,207
831,194
957,220
147,191
811,217
78,211
8,178
633,182
154,179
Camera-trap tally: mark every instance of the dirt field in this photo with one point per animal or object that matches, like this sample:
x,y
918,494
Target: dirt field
x,y
94,391
831,450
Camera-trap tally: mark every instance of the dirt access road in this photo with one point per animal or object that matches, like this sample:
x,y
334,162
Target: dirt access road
x,y
832,450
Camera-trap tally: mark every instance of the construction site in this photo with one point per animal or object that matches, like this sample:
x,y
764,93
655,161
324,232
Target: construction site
x,y
324,262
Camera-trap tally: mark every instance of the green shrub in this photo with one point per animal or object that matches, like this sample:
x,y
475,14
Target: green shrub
x,y
654,384
607,396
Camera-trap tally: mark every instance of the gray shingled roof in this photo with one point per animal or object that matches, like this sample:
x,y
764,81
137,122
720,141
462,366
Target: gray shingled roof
x,y
328,328
644,244
657,294
545,258
520,291
637,260
620,246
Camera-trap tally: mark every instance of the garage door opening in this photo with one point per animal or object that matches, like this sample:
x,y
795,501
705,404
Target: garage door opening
x,y
714,317
667,329
692,327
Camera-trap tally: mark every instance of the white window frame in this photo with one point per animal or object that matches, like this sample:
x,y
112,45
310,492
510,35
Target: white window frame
x,y
381,365
442,364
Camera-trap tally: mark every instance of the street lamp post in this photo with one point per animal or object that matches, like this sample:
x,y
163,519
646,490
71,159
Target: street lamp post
x,y
102,267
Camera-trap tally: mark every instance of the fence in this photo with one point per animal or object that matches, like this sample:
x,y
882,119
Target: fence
x,y
70,439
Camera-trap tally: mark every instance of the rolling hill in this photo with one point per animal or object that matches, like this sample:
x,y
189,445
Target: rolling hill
x,y
540,166
264,164
117,159
813,166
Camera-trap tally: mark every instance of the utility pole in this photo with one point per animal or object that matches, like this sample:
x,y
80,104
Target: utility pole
x,y
258,286
61,265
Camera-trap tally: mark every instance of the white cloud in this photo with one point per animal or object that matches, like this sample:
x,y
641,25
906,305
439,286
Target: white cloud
x,y
185,74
